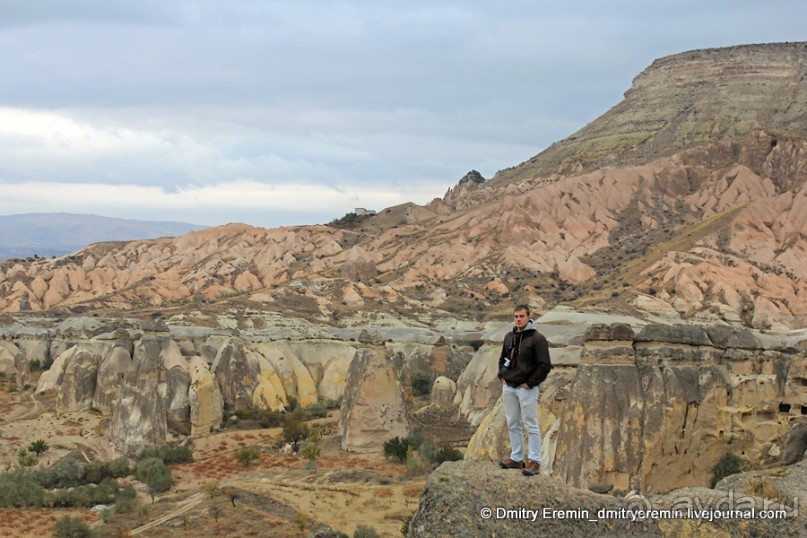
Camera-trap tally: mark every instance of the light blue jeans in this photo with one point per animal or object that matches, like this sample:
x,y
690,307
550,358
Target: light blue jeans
x,y
522,404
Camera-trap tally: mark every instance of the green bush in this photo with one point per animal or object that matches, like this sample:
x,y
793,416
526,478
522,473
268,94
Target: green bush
x,y
396,448
34,365
66,473
118,468
447,454
154,473
71,527
415,440
168,455
416,464
271,419
729,464
333,404
365,531
38,447
126,502
294,431
19,489
245,456
421,383
316,410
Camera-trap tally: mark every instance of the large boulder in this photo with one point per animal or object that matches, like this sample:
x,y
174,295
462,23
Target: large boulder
x,y
443,391
375,407
795,449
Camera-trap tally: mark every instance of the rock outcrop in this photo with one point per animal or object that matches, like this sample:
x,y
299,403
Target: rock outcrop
x,y
377,402
660,409
479,499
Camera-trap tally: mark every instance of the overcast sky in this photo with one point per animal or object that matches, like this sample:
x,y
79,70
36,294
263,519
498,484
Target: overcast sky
x,y
282,113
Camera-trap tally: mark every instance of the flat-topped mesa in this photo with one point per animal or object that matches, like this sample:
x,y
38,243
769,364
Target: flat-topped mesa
x,y
685,100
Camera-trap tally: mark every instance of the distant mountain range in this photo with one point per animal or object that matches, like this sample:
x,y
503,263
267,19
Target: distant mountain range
x,y
55,234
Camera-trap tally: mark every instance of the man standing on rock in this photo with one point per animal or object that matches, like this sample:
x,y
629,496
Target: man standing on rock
x,y
523,365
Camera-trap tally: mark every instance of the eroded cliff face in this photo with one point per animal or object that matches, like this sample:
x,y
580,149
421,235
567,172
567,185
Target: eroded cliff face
x,y
658,409
153,385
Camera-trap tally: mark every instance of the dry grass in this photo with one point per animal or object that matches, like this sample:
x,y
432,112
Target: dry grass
x,y
762,487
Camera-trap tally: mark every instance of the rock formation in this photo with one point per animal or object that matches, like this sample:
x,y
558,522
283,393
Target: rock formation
x,y
479,499
659,409
377,402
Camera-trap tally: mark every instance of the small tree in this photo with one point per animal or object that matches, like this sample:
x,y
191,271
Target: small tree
x,y
245,456
155,474
396,448
312,450
294,431
38,447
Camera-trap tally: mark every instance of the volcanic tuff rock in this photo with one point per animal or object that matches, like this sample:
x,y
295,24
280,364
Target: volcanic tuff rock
x,y
473,499
156,387
659,410
687,199
377,401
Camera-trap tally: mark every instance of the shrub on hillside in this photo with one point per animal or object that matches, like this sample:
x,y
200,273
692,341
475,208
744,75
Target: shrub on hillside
x,y
168,455
245,456
153,472
396,448
729,464
71,527
421,383
19,489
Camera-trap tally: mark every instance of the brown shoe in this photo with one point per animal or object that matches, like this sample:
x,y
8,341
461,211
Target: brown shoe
x,y
510,464
532,468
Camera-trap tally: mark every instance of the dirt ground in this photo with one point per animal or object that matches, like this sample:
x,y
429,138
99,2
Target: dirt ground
x,y
277,495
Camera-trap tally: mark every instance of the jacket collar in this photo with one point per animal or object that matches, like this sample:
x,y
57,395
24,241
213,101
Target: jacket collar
x,y
529,327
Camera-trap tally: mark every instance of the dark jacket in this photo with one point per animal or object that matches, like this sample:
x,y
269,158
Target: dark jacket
x,y
528,354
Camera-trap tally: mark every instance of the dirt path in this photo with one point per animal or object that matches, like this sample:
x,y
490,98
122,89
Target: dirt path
x,y
186,505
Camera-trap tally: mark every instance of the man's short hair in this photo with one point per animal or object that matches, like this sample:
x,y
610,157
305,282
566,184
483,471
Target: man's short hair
x,y
523,307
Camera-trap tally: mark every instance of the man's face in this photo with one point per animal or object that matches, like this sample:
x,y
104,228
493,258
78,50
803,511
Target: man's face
x,y
521,318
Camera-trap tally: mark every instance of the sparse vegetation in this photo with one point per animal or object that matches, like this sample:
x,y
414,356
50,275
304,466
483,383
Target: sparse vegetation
x,y
38,447
365,531
728,465
421,383
153,472
245,456
71,527
168,455
294,431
